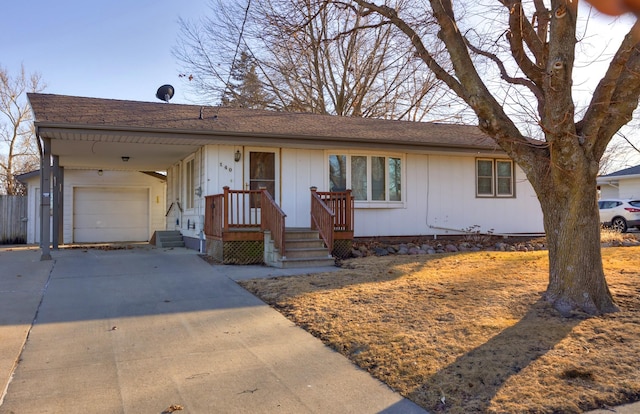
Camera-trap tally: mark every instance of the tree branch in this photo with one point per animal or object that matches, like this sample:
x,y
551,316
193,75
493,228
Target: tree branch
x,y
537,92
522,31
605,106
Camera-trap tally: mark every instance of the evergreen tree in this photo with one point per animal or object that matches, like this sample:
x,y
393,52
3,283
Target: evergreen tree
x,y
245,90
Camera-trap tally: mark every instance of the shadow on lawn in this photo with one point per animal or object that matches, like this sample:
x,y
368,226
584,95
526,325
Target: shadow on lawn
x,y
474,379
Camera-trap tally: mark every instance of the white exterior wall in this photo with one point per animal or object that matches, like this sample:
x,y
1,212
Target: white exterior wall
x,y
301,169
214,168
608,191
630,188
439,195
90,178
440,198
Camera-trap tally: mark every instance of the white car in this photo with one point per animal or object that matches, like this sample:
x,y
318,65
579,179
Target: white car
x,y
619,214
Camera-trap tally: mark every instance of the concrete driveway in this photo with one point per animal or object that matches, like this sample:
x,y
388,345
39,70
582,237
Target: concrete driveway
x,y
141,330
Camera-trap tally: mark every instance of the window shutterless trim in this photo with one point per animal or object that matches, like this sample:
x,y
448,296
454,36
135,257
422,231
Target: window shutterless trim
x,y
495,178
369,184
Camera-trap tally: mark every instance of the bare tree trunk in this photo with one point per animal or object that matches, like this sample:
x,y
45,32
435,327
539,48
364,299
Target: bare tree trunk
x,y
572,225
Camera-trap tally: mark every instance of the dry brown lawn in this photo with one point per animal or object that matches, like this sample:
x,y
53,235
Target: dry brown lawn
x,y
468,332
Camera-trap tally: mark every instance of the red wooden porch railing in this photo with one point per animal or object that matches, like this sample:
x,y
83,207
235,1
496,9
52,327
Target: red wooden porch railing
x,y
331,212
244,210
273,220
214,213
233,209
251,210
322,218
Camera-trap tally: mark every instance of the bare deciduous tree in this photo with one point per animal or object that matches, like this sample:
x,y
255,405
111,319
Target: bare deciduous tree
x,y
312,57
18,144
539,39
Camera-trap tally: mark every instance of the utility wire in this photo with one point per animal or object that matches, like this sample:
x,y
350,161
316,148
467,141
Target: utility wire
x,y
235,54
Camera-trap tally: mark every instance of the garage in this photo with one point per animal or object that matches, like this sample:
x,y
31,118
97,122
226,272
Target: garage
x,y
110,214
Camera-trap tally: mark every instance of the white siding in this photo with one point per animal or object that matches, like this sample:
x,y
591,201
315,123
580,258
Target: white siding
x,y
439,198
215,168
626,187
438,195
301,169
630,188
608,191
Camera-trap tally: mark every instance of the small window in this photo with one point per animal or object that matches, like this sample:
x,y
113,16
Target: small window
x,y
371,178
485,177
395,179
190,183
494,178
337,172
359,177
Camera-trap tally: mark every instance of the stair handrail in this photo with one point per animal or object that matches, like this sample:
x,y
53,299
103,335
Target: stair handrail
x,y
322,218
272,218
171,207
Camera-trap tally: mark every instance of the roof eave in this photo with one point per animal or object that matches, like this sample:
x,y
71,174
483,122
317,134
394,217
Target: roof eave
x,y
44,127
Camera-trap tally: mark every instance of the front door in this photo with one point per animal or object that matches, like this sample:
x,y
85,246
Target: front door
x,y
261,170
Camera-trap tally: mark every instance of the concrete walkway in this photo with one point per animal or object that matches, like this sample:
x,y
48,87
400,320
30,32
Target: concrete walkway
x,y
140,330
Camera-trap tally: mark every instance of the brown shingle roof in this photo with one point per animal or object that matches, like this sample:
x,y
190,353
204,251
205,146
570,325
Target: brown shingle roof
x,y
93,113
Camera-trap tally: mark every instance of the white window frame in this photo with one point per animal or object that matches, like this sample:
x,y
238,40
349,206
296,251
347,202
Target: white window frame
x,y
369,203
495,178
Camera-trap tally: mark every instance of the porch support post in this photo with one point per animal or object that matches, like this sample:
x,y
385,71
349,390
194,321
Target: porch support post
x,y
61,208
225,208
349,212
45,200
57,193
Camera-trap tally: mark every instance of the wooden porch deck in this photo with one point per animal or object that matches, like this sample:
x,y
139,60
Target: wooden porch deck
x,y
244,216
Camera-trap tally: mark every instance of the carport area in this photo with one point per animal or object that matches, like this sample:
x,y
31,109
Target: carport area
x,y
139,330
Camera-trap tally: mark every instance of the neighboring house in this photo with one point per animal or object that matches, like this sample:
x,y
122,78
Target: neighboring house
x,y
102,205
406,178
620,184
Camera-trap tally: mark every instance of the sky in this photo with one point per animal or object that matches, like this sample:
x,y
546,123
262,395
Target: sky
x,y
121,49
117,49
110,49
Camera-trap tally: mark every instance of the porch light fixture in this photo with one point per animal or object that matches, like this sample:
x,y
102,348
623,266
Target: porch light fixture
x,y
125,158
99,172
237,156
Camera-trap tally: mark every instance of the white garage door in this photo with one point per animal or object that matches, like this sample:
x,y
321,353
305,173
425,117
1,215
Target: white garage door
x,y
110,214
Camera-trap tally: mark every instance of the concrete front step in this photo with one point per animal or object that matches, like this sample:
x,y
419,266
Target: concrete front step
x,y
307,252
172,244
301,233
304,243
169,238
304,248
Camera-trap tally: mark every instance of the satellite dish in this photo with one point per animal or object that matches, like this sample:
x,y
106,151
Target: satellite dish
x,y
165,92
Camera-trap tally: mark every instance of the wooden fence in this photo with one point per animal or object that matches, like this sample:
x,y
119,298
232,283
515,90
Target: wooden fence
x,y
13,219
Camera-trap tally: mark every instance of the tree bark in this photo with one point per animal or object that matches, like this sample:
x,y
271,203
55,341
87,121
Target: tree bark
x,y
572,225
